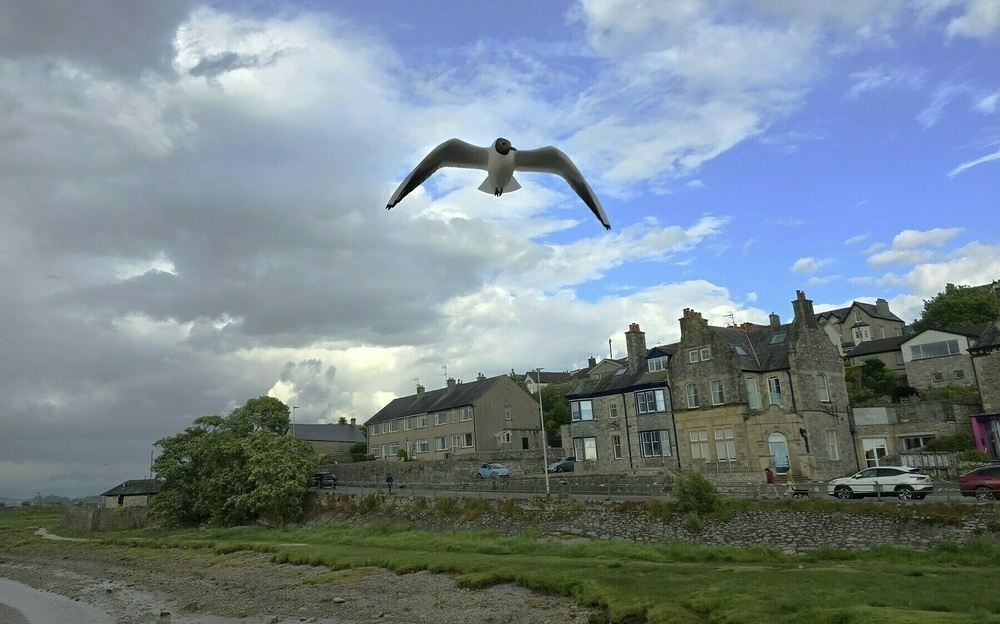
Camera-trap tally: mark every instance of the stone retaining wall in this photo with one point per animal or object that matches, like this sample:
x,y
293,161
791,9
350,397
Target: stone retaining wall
x,y
789,530
89,519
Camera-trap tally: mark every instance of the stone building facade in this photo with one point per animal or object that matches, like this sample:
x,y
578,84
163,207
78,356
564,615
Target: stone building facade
x,y
860,322
735,400
985,354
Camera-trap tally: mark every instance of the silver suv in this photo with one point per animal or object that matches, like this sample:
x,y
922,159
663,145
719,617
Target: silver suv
x,y
900,481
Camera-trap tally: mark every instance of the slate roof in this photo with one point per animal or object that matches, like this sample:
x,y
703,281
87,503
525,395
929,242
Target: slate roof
x,y
869,308
435,400
881,345
135,487
624,380
335,432
988,340
549,378
763,349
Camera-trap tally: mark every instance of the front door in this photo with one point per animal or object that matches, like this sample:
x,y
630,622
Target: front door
x,y
777,444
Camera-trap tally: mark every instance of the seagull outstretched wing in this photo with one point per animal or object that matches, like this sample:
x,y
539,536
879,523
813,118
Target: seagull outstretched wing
x,y
451,153
552,160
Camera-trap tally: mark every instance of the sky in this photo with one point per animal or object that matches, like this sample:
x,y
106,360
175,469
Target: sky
x,y
192,195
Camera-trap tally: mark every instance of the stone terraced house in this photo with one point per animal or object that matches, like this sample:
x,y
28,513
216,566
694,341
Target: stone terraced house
x,y
724,400
489,414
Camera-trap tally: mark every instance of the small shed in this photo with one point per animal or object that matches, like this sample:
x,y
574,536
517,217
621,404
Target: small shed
x,y
334,440
133,493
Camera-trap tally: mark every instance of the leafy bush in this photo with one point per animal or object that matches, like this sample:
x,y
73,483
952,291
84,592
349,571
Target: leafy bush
x,y
696,493
951,444
693,522
972,456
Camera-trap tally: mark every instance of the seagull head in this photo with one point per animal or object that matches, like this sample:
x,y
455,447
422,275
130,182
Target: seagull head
x,y
503,146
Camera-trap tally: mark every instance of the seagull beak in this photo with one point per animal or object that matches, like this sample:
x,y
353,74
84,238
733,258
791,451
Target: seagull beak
x,y
513,149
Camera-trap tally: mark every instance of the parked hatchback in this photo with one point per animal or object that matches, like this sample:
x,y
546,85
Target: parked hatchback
x,y
900,481
324,480
492,470
983,482
562,464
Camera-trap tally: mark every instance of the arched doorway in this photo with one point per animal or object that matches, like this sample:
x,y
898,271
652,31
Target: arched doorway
x,y
777,444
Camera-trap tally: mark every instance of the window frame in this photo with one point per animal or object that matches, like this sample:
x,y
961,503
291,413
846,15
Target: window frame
x,y
422,421
693,356
467,440
650,401
718,392
393,425
465,414
577,412
705,353
654,365
725,440
959,373
438,420
691,392
422,446
585,447
822,388
440,444
753,394
616,446
613,410
774,389
699,440
832,445
406,424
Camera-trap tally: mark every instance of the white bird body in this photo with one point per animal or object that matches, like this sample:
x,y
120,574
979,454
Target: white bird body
x,y
500,160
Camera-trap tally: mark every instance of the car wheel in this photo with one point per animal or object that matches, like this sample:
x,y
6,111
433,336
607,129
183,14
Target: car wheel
x,y
984,493
843,492
479,474
904,492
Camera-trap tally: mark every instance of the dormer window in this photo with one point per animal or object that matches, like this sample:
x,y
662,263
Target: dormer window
x,y
857,316
657,364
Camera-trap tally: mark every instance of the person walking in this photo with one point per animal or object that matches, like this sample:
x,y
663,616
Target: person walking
x,y
388,481
769,478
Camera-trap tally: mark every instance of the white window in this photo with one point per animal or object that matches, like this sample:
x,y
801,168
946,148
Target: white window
x,y
831,445
938,376
393,449
693,356
822,389
899,358
613,408
374,450
393,426
506,412
505,437
774,390
421,421
718,396
454,442
699,445
657,364
374,429
406,424
441,444
585,448
441,418
706,354
875,450
654,443
466,413
752,395
857,316
422,446
692,395
582,410
934,349
616,446
725,444
466,440
960,374
861,334
650,401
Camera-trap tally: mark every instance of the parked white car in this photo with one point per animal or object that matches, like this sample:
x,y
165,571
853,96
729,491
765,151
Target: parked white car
x,y
900,481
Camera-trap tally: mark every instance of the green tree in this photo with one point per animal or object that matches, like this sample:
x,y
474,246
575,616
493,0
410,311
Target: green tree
x,y
236,469
956,305
877,378
555,408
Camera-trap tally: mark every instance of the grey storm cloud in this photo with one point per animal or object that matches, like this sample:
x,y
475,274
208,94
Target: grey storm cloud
x,y
223,62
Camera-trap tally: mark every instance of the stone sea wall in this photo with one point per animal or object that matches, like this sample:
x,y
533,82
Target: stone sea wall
x,y
787,529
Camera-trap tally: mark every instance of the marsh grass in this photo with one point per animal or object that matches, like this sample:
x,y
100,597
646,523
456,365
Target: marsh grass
x,y
626,582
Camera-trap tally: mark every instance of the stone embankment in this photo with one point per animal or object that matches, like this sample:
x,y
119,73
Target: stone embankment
x,y
789,530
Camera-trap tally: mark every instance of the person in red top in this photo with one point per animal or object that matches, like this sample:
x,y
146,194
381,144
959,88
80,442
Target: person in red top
x,y
769,477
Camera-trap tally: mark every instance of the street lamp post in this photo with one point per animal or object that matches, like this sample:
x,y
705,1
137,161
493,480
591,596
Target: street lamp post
x,y
541,422
293,420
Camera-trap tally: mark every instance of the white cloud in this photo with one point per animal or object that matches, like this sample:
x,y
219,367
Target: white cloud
x,y
882,78
981,20
857,239
819,281
972,163
810,264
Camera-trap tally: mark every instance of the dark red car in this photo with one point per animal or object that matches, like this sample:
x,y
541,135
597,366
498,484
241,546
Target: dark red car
x,y
983,483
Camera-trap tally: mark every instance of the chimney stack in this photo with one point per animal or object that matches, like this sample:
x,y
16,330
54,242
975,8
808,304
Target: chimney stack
x,y
480,377
451,384
882,307
420,391
804,315
635,344
775,320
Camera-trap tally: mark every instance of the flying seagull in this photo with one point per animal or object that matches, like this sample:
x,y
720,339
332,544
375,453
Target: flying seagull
x,y
499,161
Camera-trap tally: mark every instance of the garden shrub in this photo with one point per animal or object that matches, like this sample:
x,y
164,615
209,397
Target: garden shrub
x,y
696,493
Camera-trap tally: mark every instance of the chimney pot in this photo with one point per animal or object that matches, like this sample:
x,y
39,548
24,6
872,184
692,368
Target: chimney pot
x,y
354,421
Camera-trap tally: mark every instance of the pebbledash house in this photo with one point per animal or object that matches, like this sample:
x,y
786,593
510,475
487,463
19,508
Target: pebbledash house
x,y
722,401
